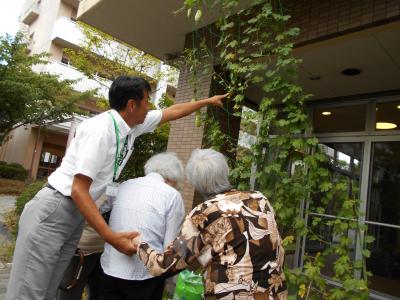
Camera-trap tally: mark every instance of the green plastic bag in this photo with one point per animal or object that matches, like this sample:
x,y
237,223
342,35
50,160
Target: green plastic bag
x,y
189,286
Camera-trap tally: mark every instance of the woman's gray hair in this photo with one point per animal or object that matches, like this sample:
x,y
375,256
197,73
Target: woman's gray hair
x,y
167,164
207,170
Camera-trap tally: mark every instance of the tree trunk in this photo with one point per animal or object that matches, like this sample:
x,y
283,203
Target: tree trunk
x,y
4,136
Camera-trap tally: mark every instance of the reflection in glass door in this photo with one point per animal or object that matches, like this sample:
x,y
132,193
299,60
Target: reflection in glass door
x,y
344,164
383,218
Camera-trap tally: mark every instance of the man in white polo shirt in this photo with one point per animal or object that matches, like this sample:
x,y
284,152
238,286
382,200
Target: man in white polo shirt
x,y
52,222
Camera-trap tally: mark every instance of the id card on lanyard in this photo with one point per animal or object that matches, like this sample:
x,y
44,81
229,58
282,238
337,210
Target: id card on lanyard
x,y
112,188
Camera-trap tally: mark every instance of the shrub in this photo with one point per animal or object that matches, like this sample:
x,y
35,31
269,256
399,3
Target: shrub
x,y
13,171
30,191
16,165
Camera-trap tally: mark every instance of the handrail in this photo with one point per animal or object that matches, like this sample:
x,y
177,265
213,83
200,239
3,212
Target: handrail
x,y
355,220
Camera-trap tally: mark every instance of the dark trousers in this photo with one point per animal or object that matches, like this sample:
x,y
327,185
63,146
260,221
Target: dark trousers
x,y
121,289
91,276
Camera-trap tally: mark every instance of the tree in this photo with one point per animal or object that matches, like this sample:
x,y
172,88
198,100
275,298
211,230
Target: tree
x,y
102,58
30,97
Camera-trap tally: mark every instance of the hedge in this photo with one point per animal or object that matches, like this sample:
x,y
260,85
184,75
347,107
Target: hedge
x,y
13,171
29,192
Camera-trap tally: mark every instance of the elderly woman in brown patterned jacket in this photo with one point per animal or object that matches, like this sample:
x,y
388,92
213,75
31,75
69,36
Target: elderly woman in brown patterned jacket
x,y
233,236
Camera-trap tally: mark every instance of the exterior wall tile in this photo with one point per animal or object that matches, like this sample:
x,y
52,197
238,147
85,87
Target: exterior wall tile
x,y
320,19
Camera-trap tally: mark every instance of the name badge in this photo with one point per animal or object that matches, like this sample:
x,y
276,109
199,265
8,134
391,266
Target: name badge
x,y
112,189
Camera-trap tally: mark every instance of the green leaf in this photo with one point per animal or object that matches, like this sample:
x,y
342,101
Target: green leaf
x,y
227,26
369,239
312,141
252,20
358,264
350,284
232,44
325,186
287,240
297,143
316,221
189,3
198,15
366,253
230,56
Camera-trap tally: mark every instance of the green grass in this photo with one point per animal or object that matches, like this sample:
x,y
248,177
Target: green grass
x,y
6,246
6,250
11,219
11,186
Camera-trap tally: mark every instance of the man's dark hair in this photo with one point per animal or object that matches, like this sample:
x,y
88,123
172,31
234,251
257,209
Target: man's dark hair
x,y
125,88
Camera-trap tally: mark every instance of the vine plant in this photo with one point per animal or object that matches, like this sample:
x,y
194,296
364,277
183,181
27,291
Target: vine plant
x,y
253,47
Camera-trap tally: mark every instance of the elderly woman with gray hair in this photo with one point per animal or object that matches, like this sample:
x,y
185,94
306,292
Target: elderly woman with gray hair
x,y
152,206
232,235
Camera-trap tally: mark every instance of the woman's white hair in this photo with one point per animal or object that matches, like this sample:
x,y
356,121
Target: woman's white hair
x,y
207,170
167,164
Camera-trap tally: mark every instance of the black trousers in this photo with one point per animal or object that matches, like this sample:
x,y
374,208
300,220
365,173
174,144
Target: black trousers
x,y
91,276
121,289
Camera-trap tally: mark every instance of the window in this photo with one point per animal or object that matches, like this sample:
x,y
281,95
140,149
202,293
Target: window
x,y
50,160
65,60
387,116
340,119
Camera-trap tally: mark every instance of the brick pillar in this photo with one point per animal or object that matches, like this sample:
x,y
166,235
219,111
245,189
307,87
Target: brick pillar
x,y
229,125
184,135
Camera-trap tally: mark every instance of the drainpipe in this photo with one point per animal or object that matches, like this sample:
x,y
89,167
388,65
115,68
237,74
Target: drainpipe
x,y
34,151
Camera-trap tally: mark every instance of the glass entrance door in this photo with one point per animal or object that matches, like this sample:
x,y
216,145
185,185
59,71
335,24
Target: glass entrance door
x,y
344,163
383,217
361,138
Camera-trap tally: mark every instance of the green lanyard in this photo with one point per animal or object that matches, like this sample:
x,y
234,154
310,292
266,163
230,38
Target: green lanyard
x,y
118,156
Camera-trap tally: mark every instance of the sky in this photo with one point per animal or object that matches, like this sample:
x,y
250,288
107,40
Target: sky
x,y
9,13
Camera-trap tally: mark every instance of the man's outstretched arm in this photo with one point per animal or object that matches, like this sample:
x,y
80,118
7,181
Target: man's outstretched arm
x,y
181,110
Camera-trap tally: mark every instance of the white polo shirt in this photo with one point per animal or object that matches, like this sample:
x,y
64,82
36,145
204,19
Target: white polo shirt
x,y
92,151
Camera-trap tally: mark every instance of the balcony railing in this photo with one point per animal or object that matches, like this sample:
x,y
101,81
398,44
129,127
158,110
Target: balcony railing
x,y
67,33
31,12
83,84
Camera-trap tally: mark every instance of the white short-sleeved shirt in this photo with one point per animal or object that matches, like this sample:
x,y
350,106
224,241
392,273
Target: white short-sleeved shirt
x,y
147,205
92,151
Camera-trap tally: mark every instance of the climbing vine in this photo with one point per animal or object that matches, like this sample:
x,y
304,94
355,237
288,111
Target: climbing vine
x,y
252,47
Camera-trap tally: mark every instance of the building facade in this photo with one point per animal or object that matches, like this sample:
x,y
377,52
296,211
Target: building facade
x,y
50,26
351,65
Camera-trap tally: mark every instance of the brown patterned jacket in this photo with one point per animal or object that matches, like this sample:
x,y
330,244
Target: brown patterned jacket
x,y
234,238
